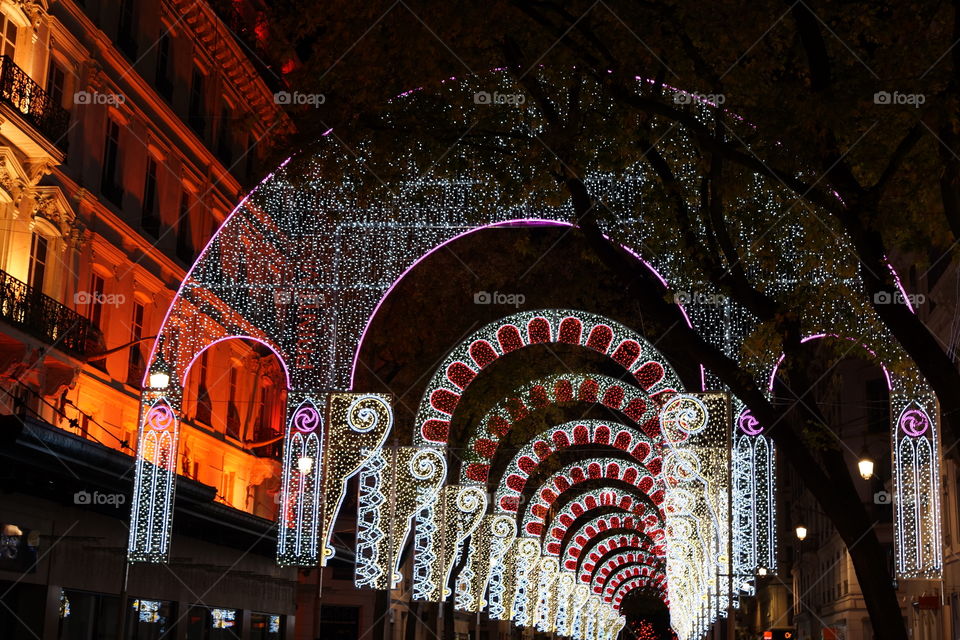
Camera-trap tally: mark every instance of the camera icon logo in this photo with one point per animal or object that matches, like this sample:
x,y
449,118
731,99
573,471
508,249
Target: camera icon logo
x,y
482,97
882,297
882,97
482,297
882,497
82,497
282,97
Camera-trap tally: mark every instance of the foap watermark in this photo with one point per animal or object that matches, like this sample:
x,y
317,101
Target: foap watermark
x,y
96,498
95,297
882,497
95,97
298,297
909,99
485,97
696,297
495,297
685,97
897,297
298,98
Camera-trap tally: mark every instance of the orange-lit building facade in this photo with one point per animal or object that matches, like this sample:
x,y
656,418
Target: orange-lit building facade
x,y
128,131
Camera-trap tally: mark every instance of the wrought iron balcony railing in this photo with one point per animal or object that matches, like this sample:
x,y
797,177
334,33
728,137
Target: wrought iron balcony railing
x,y
19,91
41,316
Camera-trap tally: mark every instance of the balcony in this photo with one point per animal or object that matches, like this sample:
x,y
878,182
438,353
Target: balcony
x,y
35,104
43,317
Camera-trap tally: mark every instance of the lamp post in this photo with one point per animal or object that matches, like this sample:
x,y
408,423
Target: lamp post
x,y
865,466
801,532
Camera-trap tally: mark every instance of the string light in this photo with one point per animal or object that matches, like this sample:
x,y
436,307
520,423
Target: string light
x,y
395,484
308,285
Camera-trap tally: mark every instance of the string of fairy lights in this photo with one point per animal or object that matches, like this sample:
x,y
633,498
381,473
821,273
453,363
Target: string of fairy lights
x,y
301,267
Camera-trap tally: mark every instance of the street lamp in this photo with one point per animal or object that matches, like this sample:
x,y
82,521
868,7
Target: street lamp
x,y
865,465
305,464
159,380
801,532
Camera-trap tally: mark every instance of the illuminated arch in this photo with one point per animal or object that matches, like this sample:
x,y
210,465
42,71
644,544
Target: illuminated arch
x,y
454,376
274,349
605,543
534,515
594,499
623,566
632,584
916,458
592,532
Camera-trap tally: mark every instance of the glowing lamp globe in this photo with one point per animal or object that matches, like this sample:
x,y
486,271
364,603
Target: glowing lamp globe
x,y
159,380
865,465
305,465
801,532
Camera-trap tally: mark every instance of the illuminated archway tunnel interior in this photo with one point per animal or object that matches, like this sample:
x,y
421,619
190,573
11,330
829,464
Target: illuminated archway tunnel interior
x,y
558,449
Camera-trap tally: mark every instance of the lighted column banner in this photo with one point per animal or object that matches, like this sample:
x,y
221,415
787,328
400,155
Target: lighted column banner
x,y
154,484
696,467
754,497
488,545
300,498
357,426
916,457
394,484
545,611
440,531
564,621
526,569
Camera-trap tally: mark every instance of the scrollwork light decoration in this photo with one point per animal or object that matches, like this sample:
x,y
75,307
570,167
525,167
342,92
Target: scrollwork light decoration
x,y
486,549
456,514
357,426
545,611
394,484
155,482
697,471
300,497
564,620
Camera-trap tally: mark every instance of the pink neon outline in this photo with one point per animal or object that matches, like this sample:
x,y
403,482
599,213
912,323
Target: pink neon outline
x,y
818,336
516,222
899,283
186,278
273,349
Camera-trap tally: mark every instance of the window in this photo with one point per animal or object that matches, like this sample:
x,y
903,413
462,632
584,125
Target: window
x,y
204,405
184,230
233,413
163,81
196,116
8,37
265,626
39,250
204,623
224,137
135,369
109,183
56,81
95,300
150,216
126,29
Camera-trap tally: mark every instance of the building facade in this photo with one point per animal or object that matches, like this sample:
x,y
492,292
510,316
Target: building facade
x,y
128,131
